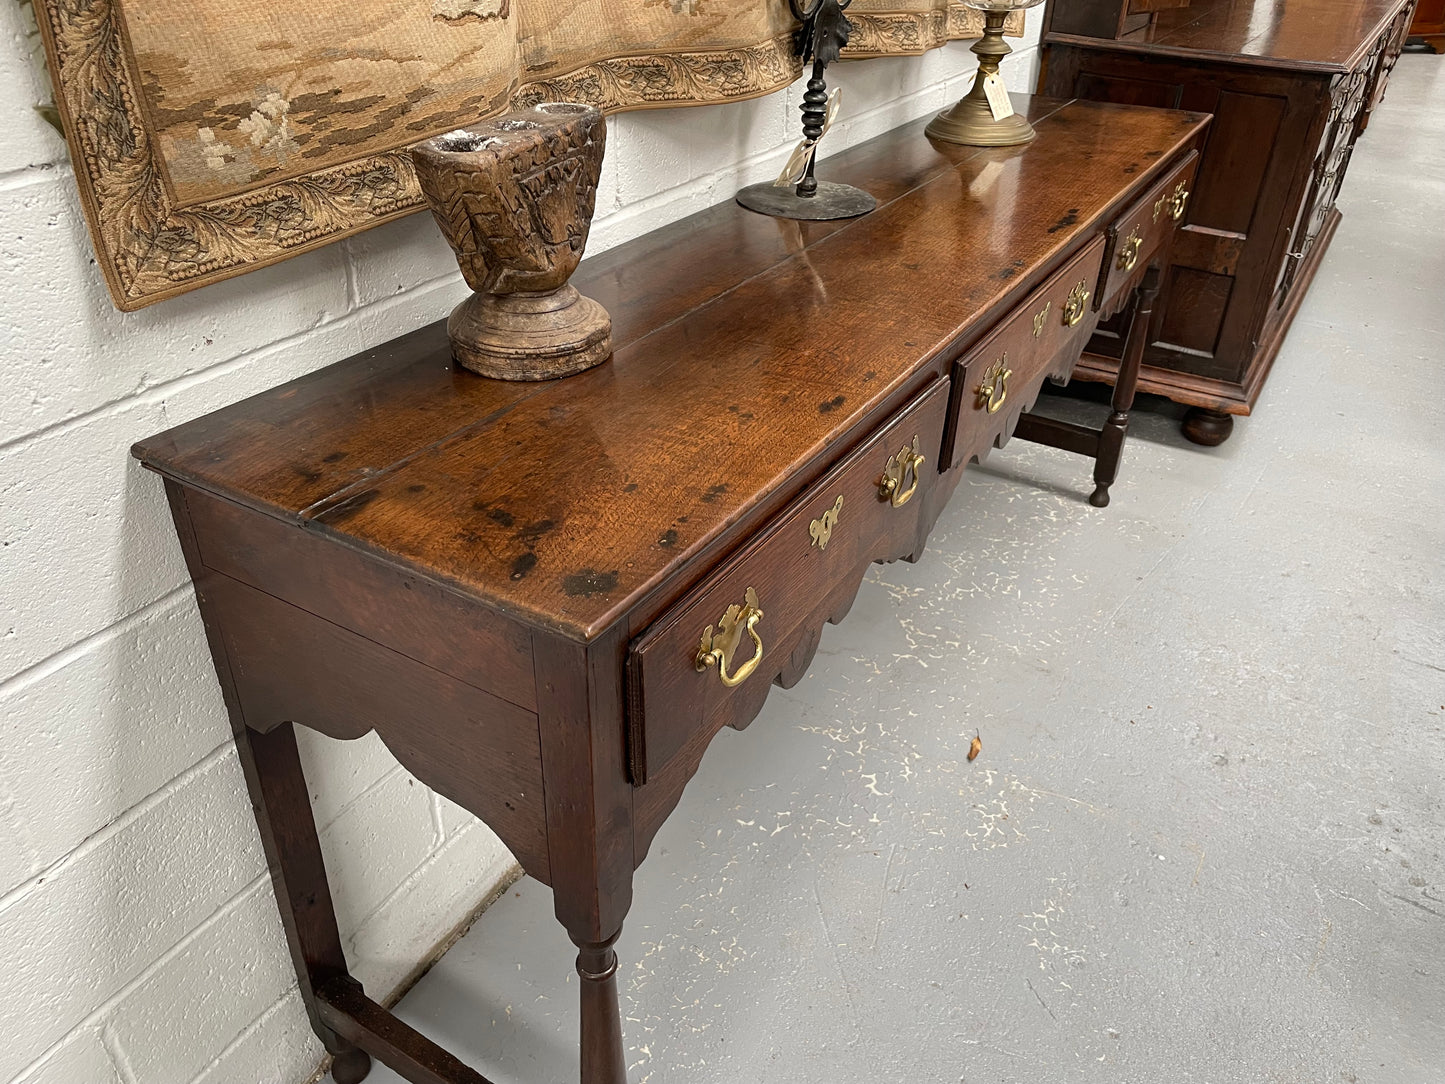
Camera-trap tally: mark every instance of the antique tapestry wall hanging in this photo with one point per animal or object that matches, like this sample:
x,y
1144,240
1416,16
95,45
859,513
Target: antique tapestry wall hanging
x,y
212,137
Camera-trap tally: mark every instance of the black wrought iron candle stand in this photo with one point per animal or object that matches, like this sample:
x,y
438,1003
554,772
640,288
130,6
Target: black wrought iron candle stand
x,y
821,38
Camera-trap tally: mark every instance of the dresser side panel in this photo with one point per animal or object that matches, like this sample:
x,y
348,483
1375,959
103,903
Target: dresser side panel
x,y
288,665
397,609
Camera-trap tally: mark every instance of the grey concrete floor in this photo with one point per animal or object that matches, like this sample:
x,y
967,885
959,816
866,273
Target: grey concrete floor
x,y
1203,840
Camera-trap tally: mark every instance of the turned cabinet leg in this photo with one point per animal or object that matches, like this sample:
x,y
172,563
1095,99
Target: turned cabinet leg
x,y
1207,427
602,1052
1111,437
288,833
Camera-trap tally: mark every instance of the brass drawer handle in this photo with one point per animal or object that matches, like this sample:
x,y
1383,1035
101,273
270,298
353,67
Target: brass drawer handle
x,y
907,461
1129,254
718,650
822,528
1178,201
1074,305
993,388
1173,202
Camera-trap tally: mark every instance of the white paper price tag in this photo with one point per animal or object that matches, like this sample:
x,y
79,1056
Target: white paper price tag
x,y
997,95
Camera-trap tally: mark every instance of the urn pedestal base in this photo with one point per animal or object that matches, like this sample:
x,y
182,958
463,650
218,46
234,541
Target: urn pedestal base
x,y
971,123
530,336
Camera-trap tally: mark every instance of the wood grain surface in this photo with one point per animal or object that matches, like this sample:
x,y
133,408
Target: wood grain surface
x,y
1308,35
507,582
800,585
1029,358
566,502
480,751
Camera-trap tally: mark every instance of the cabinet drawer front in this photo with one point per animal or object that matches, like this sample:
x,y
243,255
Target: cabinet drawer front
x,y
801,570
1140,232
1000,378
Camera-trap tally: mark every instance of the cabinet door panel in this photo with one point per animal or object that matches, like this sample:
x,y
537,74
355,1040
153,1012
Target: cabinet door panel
x,y
1194,320
1241,142
1252,177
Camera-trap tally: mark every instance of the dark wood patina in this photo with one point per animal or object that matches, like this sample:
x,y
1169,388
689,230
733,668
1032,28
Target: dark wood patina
x,y
1291,87
1428,25
510,582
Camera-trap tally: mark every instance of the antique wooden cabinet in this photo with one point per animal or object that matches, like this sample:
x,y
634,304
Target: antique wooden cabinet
x,y
1291,86
547,598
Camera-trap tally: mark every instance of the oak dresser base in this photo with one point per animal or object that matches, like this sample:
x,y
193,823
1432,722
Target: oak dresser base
x,y
547,598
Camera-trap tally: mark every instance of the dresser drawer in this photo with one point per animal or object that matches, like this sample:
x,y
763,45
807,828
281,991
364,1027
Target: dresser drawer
x,y
709,661
1138,234
1000,378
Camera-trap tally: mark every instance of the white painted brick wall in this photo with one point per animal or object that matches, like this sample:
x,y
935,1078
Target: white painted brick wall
x,y
139,942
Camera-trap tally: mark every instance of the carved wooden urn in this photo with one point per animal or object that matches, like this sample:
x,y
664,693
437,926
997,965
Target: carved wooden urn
x,y
514,196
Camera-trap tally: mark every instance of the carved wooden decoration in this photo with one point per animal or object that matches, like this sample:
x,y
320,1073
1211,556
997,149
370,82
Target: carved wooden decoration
x,y
514,197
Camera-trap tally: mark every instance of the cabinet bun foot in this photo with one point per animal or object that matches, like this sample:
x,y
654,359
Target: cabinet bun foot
x,y
350,1066
1207,427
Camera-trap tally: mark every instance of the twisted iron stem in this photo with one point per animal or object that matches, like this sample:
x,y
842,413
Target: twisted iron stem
x,y
815,115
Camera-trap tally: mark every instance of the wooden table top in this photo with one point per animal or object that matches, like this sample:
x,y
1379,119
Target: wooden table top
x,y
1325,35
738,345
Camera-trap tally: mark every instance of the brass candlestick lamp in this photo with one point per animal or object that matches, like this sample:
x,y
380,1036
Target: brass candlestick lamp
x,y
984,117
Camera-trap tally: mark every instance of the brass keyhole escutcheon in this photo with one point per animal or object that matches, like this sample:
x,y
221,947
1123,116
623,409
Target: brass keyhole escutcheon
x,y
1129,251
908,461
1041,317
822,528
1074,304
993,388
1178,201
718,650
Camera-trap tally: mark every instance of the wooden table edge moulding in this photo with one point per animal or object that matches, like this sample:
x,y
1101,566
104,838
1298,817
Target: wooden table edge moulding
x,y
547,598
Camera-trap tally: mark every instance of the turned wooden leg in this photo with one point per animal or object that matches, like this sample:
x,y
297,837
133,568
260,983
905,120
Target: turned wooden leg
x,y
580,702
1111,437
1207,427
293,853
602,1053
